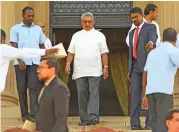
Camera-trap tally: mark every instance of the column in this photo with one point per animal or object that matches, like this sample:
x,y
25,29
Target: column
x,y
9,96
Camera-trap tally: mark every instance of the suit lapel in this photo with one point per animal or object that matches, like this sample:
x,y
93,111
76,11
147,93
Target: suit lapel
x,y
46,91
141,32
131,37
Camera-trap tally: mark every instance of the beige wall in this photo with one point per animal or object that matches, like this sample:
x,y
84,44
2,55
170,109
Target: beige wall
x,y
167,13
11,14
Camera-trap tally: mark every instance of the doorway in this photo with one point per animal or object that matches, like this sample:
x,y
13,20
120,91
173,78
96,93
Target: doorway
x,y
108,96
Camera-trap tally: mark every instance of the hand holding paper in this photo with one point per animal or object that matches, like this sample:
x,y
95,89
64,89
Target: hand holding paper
x,y
61,53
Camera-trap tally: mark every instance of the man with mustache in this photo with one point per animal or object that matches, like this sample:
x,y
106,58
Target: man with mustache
x,y
141,40
150,15
89,51
27,35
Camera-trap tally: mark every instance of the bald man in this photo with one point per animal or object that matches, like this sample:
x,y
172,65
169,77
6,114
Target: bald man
x,y
47,43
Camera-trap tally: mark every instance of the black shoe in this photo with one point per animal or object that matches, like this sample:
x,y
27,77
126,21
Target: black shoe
x,y
95,122
32,118
147,128
136,127
24,118
84,123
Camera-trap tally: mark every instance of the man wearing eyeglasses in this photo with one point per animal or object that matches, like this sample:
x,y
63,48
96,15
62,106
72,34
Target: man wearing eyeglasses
x,y
53,100
89,50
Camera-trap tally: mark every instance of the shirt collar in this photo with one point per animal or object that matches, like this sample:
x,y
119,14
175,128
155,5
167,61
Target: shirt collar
x,y
22,24
168,43
140,25
89,30
147,22
48,82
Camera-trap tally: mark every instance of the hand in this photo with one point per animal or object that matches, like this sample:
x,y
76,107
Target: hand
x,y
22,64
149,46
128,76
145,103
67,68
51,51
105,73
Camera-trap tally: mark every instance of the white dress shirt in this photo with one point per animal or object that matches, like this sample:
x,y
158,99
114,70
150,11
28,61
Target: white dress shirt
x,y
88,47
47,43
8,53
153,22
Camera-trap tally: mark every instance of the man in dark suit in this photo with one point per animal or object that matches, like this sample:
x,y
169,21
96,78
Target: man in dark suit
x,y
53,99
141,40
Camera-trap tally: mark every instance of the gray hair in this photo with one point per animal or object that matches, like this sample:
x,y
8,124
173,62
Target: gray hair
x,y
87,14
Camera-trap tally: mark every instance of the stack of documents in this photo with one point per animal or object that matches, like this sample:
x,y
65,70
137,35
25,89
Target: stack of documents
x,y
61,54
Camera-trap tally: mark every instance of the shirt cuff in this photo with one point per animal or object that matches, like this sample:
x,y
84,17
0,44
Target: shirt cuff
x,y
151,42
71,51
42,52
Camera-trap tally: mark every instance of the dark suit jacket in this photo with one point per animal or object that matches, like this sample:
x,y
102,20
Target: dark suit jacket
x,y
147,33
52,110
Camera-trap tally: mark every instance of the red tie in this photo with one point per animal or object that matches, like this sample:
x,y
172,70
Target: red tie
x,y
135,42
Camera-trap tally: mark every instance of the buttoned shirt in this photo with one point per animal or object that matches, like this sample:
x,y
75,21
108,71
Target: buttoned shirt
x,y
161,67
153,22
27,37
48,43
87,47
8,53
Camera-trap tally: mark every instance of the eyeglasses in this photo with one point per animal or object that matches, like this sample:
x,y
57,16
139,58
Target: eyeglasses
x,y
87,21
42,67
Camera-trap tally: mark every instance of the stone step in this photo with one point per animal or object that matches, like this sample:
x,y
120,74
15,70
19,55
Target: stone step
x,y
113,122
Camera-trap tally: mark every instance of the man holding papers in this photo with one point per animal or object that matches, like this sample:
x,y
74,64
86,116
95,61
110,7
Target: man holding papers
x,y
8,53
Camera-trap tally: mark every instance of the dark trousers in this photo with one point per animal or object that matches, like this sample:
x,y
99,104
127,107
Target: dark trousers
x,y
159,104
136,95
27,79
88,97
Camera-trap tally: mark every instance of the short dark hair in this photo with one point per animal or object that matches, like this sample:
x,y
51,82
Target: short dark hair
x,y
148,8
3,34
169,34
136,10
51,62
27,8
169,115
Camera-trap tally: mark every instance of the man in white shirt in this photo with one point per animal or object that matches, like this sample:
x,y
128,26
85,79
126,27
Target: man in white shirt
x,y
172,120
47,42
89,50
8,53
150,15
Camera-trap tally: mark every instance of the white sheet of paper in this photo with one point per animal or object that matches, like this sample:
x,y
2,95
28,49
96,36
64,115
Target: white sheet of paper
x,y
61,54
28,125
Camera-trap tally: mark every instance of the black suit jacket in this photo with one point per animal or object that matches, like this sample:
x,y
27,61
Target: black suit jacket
x,y
147,33
52,110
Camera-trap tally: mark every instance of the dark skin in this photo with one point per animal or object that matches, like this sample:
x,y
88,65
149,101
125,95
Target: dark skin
x,y
28,17
137,19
